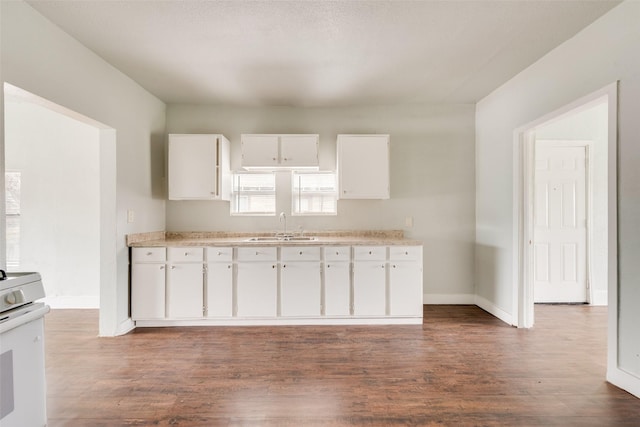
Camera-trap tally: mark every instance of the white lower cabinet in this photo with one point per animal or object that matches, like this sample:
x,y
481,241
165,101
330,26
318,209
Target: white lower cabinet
x,y
219,282
333,282
257,282
147,291
219,289
369,288
185,291
405,281
300,281
337,280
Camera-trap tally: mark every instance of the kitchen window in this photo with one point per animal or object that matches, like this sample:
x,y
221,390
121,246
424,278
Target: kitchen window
x,y
314,193
253,194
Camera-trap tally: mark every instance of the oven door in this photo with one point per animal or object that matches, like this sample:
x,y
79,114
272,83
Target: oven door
x,y
22,375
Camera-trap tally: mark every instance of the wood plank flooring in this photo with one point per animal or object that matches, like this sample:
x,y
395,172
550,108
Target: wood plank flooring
x,y
462,367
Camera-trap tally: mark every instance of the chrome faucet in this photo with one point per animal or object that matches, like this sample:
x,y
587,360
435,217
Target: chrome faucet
x,y
283,218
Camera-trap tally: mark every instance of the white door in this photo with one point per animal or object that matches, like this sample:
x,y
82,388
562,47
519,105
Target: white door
x,y
299,150
220,289
337,289
257,289
560,222
259,150
185,291
405,288
369,288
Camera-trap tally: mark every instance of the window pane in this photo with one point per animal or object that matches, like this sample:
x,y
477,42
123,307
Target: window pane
x,y
314,193
254,194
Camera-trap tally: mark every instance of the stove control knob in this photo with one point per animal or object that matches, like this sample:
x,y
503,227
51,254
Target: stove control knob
x,y
10,298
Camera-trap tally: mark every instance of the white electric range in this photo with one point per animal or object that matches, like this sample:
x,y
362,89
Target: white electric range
x,y
22,374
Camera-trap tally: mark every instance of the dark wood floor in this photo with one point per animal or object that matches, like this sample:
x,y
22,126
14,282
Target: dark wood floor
x,y
462,367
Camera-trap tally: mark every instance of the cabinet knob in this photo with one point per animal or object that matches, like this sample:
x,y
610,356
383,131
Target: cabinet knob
x,y
149,253
300,252
228,266
394,266
285,159
219,253
274,159
186,254
406,253
273,266
173,267
284,265
162,267
337,253
369,252
382,265
328,265
257,253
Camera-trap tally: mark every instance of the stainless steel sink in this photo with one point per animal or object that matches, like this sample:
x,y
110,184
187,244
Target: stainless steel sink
x,y
282,239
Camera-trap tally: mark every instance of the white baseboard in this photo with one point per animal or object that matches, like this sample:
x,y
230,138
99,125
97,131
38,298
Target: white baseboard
x,y
600,297
490,308
77,302
445,299
624,380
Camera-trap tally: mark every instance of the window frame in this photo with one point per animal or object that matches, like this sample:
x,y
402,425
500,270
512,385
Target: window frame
x,y
295,193
234,201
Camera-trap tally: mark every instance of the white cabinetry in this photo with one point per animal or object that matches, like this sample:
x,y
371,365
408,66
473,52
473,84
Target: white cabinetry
x,y
300,281
257,282
363,166
219,282
337,281
369,280
279,151
185,283
148,283
405,281
199,167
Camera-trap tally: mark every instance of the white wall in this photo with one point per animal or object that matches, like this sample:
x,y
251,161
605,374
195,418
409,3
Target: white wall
x,y
590,125
58,159
432,179
40,58
606,51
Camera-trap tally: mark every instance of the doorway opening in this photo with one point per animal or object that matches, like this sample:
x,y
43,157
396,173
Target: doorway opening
x,y
60,200
602,205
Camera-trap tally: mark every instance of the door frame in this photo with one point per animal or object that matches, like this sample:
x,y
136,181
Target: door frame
x,y
522,291
588,187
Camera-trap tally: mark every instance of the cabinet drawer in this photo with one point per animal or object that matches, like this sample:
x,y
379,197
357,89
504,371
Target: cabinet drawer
x,y
185,254
299,254
369,253
258,254
219,254
337,253
148,255
405,253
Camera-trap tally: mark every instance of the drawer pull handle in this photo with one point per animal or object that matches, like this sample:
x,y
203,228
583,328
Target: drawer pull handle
x,y
257,253
186,254
300,252
149,253
228,266
406,253
219,253
173,267
162,267
369,252
337,253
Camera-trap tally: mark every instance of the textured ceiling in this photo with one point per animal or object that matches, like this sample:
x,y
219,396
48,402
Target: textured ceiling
x,y
321,53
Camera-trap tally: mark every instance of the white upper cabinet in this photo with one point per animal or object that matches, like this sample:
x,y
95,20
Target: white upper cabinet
x,y
199,167
363,166
279,151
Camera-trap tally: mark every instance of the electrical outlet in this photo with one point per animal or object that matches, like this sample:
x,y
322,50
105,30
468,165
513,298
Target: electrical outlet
x,y
408,221
131,216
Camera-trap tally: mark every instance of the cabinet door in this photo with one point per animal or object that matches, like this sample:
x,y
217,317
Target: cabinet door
x,y
185,291
300,285
259,150
147,291
405,288
299,150
192,167
337,289
257,289
369,288
363,166
220,289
